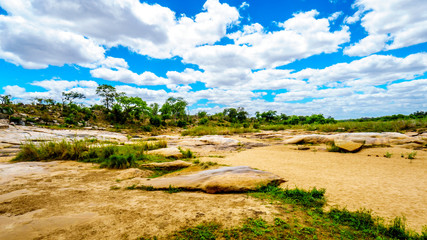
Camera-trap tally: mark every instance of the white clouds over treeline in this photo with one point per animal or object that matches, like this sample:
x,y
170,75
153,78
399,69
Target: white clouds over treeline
x,y
36,34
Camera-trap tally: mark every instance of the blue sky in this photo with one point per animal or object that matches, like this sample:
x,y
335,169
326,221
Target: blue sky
x,y
340,58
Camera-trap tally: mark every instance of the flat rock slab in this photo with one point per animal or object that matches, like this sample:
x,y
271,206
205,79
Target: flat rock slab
x,y
170,152
168,165
133,173
221,180
348,145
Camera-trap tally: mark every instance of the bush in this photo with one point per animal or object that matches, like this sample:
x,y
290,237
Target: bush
x,y
156,121
119,162
181,123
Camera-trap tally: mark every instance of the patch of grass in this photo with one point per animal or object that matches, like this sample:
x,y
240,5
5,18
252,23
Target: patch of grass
x,y
333,148
309,199
119,162
205,165
412,155
388,155
186,153
210,130
62,150
371,126
216,156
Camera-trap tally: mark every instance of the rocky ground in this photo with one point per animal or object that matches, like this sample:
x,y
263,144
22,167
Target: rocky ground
x,y
70,200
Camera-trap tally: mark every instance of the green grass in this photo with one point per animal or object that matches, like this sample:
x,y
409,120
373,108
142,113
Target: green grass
x,y
303,218
108,156
209,130
370,126
388,155
310,199
186,153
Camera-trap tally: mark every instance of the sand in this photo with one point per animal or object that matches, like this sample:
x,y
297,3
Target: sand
x,y
389,187
71,200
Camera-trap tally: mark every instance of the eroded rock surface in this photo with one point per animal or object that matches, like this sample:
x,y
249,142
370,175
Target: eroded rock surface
x,y
226,179
168,165
348,145
368,139
169,152
133,173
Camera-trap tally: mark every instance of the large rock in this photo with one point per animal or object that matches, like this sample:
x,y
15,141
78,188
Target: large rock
x,y
178,164
348,144
226,179
169,152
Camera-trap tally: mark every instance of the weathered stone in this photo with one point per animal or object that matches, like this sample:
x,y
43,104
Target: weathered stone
x,y
348,144
218,140
4,123
133,173
170,152
168,165
226,179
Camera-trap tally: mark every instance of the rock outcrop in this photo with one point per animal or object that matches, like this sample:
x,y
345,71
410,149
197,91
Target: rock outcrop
x,y
221,180
178,164
133,173
169,152
348,145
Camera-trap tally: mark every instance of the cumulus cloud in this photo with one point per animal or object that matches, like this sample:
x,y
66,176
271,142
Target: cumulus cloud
x,y
369,71
390,25
39,33
300,37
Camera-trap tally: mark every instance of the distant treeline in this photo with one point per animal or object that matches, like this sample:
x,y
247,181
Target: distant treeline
x,y
122,111
415,115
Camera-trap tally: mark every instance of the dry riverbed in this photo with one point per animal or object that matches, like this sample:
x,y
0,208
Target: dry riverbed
x,y
71,200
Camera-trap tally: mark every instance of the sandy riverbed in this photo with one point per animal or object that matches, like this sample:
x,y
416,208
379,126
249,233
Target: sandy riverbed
x,y
390,187
70,200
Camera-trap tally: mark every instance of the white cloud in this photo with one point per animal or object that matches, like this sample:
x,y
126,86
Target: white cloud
x,y
369,71
302,36
32,46
390,24
38,33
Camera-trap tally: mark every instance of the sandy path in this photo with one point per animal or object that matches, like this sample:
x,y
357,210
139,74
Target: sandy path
x,y
389,186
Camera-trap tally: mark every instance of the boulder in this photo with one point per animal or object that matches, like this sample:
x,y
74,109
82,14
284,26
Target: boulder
x,y
221,180
348,144
170,152
133,173
178,164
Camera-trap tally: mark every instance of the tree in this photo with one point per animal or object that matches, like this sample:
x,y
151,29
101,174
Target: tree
x,y
175,107
70,96
5,99
132,107
108,93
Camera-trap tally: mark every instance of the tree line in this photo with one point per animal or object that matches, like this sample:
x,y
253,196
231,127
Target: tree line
x,y
120,109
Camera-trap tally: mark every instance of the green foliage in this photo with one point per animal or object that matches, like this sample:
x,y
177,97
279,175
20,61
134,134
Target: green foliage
x,y
108,93
387,155
174,107
333,148
156,121
310,199
186,153
119,162
209,130
62,150
412,155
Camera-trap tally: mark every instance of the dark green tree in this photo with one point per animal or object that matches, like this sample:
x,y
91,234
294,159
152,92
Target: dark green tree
x,y
108,93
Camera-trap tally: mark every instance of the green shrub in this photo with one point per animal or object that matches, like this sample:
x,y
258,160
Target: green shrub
x,y
156,121
186,153
119,162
